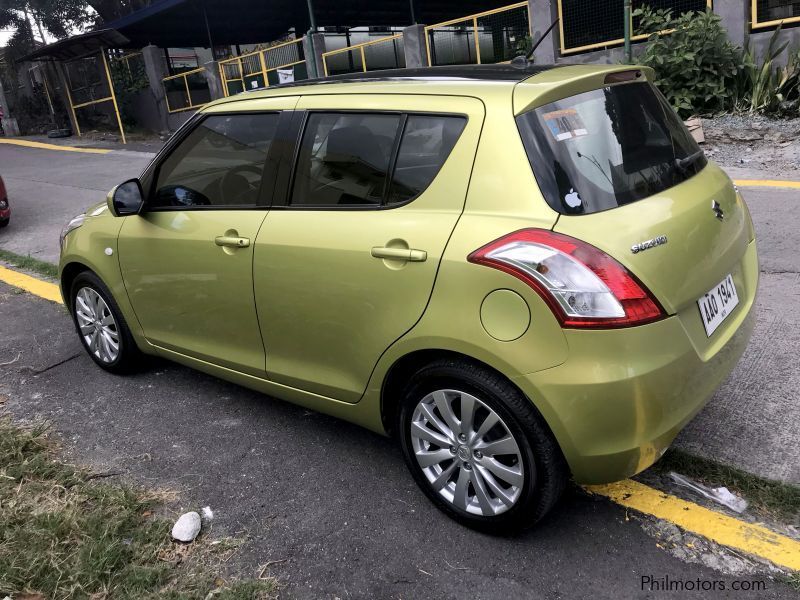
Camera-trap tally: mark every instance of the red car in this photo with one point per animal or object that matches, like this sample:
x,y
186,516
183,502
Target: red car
x,y
5,209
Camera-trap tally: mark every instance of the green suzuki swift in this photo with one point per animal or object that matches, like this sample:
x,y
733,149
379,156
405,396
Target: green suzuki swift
x,y
525,274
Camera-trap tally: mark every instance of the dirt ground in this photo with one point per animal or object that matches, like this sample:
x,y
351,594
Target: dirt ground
x,y
753,141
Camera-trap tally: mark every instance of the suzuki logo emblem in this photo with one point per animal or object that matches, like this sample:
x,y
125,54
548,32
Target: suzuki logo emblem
x,y
720,214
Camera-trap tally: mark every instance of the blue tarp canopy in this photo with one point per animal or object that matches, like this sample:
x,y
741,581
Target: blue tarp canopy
x,y
187,23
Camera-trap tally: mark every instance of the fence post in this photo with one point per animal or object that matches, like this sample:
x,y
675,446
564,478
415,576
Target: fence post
x,y
66,98
541,14
735,16
155,68
214,80
314,55
10,125
628,25
414,46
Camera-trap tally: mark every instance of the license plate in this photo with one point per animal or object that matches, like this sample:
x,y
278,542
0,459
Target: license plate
x,y
717,304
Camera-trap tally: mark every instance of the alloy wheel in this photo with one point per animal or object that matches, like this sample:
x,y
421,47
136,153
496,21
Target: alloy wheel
x,y
97,325
467,452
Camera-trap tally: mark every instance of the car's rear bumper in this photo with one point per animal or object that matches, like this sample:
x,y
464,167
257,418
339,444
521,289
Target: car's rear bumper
x,y
623,395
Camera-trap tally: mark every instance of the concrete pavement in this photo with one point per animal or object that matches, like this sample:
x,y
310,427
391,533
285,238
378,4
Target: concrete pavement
x,y
754,418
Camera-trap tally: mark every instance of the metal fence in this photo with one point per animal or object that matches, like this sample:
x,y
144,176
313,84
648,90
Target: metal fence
x,y
263,68
187,91
769,13
488,37
89,86
39,78
384,53
132,61
591,25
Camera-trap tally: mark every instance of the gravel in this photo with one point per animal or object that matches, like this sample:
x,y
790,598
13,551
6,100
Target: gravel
x,y
754,141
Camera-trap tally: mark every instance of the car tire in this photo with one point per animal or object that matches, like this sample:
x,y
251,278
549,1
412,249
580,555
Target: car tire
x,y
101,327
4,222
501,480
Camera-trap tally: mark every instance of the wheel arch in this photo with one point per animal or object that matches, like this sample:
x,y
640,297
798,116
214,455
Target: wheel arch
x,y
68,274
112,279
405,366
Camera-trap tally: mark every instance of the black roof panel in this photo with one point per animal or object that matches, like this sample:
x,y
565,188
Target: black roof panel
x,y
501,72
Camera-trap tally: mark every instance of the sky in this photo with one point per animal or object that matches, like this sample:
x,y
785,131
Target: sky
x,y
5,34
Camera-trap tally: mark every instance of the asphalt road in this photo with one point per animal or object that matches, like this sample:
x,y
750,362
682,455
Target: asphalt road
x,y
333,500
47,188
330,499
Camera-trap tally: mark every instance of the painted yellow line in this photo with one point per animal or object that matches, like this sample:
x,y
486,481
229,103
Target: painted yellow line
x,y
725,530
43,146
776,183
37,287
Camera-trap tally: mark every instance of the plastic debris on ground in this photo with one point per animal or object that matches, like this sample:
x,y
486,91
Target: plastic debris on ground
x,y
721,495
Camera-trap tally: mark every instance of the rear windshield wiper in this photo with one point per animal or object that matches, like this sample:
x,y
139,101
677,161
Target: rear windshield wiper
x,y
684,163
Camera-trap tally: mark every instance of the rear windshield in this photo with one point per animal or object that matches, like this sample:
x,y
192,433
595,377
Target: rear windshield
x,y
608,147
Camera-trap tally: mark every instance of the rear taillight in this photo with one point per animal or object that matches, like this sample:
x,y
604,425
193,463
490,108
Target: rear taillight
x,y
583,285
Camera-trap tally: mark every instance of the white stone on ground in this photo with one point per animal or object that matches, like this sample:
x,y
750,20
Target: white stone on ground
x,y
187,527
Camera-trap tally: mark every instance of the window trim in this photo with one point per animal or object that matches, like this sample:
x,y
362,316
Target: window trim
x,y
285,201
264,199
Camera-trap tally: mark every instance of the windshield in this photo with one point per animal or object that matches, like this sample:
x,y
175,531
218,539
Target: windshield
x,y
608,147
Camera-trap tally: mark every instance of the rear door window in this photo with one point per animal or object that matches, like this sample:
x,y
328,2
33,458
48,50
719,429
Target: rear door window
x,y
344,159
608,147
370,160
427,142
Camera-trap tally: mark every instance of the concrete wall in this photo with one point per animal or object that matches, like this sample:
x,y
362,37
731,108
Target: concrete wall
x,y
735,15
155,66
8,122
145,111
759,41
313,53
612,56
414,46
542,13
175,120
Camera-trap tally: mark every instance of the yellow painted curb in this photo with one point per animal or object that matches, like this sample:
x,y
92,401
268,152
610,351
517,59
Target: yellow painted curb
x,y
43,146
37,287
776,183
710,524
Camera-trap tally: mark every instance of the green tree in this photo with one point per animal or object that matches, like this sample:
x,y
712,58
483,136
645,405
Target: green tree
x,y
26,18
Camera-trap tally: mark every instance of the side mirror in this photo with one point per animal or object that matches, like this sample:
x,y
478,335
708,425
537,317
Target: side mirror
x,y
126,199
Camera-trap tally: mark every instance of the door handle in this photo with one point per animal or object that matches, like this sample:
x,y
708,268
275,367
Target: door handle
x,y
232,241
400,254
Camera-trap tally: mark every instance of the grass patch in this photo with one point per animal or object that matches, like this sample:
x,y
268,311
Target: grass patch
x,y
793,581
65,536
779,500
29,263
